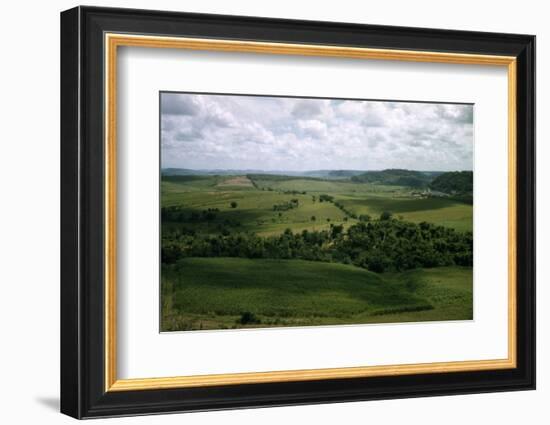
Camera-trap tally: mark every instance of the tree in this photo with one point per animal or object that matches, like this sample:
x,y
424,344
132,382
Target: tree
x,y
378,263
364,217
378,245
386,215
337,230
170,253
249,317
234,204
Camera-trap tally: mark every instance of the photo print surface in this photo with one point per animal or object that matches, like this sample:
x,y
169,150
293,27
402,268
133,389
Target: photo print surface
x,y
289,211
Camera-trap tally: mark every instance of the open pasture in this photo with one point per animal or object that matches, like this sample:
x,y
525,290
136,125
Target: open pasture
x,y
253,209
441,211
214,293
255,200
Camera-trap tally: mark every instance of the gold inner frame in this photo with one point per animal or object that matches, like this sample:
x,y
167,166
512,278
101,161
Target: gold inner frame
x,y
113,41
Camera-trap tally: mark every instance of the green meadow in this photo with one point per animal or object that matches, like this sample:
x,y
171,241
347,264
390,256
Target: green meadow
x,y
325,278
213,293
255,204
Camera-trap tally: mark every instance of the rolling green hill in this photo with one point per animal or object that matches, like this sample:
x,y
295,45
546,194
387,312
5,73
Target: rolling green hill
x,y
301,249
255,210
395,177
255,203
213,293
456,182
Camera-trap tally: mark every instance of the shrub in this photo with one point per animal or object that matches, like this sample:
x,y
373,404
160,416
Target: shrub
x,y
386,215
248,318
326,198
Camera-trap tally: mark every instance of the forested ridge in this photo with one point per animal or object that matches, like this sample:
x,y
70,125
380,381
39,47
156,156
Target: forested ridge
x,y
395,177
385,244
454,182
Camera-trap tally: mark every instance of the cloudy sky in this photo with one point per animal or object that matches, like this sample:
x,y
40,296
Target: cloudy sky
x,y
274,133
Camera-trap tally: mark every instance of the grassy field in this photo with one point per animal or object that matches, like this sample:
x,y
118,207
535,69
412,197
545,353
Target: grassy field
x,y
225,293
441,211
364,198
214,293
255,211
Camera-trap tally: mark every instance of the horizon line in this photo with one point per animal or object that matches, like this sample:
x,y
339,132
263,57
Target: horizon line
x,y
307,170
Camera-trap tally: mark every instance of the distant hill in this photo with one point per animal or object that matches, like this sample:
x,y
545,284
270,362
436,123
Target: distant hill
x,y
180,172
344,173
190,172
323,174
454,183
183,177
432,174
396,177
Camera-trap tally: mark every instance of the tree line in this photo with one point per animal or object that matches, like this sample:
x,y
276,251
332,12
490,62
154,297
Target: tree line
x,y
385,244
455,182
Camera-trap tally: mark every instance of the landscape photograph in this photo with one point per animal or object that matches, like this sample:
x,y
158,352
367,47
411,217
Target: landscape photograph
x,y
291,211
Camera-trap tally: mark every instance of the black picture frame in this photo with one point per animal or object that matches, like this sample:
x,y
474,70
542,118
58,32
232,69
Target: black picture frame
x,y
83,392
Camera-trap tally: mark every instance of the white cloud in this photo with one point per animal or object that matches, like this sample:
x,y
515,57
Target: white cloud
x,y
275,133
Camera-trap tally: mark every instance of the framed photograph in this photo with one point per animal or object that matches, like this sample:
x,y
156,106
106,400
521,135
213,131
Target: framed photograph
x,y
261,212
